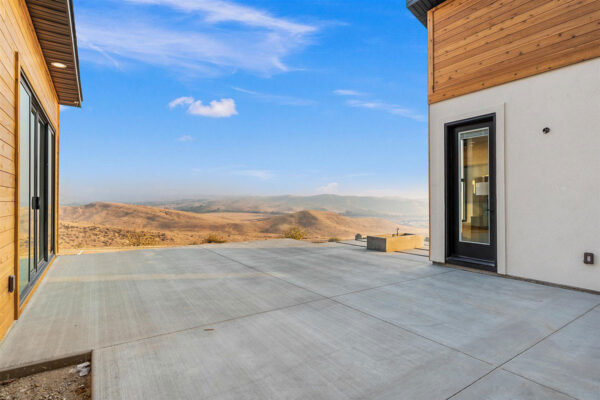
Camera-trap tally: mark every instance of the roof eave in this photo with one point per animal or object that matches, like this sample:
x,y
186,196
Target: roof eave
x,y
54,25
419,8
75,51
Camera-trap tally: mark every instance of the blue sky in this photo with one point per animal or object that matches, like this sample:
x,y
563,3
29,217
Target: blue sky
x,y
186,98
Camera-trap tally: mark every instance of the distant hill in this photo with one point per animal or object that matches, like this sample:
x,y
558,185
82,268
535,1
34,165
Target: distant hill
x,y
122,225
399,210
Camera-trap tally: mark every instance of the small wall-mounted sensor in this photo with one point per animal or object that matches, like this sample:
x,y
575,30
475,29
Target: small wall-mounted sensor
x,y
11,283
588,258
546,130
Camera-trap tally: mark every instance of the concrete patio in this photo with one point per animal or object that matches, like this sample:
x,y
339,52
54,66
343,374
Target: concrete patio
x,y
287,319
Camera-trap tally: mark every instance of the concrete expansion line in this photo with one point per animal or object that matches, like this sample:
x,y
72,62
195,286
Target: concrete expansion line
x,y
517,355
333,298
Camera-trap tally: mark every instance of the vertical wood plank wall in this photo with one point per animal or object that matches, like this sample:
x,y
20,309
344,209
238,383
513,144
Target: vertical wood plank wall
x,y
16,36
476,44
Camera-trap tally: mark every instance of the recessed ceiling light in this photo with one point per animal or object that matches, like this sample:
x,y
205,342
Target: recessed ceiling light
x,y
58,65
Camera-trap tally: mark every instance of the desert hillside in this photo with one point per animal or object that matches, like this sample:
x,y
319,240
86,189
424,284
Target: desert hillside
x,y
123,225
403,211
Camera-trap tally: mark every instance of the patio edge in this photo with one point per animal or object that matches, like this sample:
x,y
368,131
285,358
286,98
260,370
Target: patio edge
x,y
43,366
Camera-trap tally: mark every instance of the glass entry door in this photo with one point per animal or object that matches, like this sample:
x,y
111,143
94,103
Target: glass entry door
x,y
473,178
36,184
471,194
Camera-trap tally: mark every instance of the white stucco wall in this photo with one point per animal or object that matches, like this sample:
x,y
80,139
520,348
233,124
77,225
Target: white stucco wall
x,y
548,186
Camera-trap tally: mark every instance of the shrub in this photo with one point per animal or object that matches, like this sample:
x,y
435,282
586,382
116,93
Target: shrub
x,y
141,239
334,239
295,233
214,238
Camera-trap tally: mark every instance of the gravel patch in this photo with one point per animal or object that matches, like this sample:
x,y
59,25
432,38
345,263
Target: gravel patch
x,y
59,384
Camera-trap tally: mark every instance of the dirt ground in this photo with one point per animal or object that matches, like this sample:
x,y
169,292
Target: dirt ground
x,y
59,384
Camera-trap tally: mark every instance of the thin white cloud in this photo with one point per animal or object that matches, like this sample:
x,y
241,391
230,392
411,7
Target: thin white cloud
x,y
216,11
274,98
348,92
215,109
377,105
330,188
253,40
185,138
417,192
83,42
180,101
387,107
255,173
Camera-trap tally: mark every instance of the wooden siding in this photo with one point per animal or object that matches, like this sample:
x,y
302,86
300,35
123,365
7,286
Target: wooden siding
x,y
476,44
19,50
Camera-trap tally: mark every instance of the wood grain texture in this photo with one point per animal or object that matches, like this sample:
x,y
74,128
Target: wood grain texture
x,y
477,44
17,34
20,51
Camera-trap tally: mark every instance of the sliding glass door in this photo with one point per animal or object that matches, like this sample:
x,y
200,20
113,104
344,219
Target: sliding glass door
x,y
36,190
50,182
24,188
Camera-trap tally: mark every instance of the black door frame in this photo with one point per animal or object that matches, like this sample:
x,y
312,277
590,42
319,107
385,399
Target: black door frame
x,y
39,166
450,191
38,174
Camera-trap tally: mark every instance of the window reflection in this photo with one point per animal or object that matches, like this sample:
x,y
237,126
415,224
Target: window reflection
x,y
474,171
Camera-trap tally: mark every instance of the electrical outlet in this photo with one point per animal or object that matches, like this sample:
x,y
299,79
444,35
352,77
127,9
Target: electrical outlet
x,y
588,258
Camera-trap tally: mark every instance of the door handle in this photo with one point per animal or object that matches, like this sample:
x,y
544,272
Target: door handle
x,y
35,202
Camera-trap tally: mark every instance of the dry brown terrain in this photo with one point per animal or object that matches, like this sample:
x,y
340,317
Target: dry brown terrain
x,y
116,225
58,384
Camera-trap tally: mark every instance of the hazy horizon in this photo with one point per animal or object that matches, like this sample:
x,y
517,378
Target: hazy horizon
x,y
179,198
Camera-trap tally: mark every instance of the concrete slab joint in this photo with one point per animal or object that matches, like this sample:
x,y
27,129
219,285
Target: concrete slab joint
x,y
293,320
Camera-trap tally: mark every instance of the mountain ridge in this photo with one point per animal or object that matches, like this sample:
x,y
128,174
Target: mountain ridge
x,y
400,210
